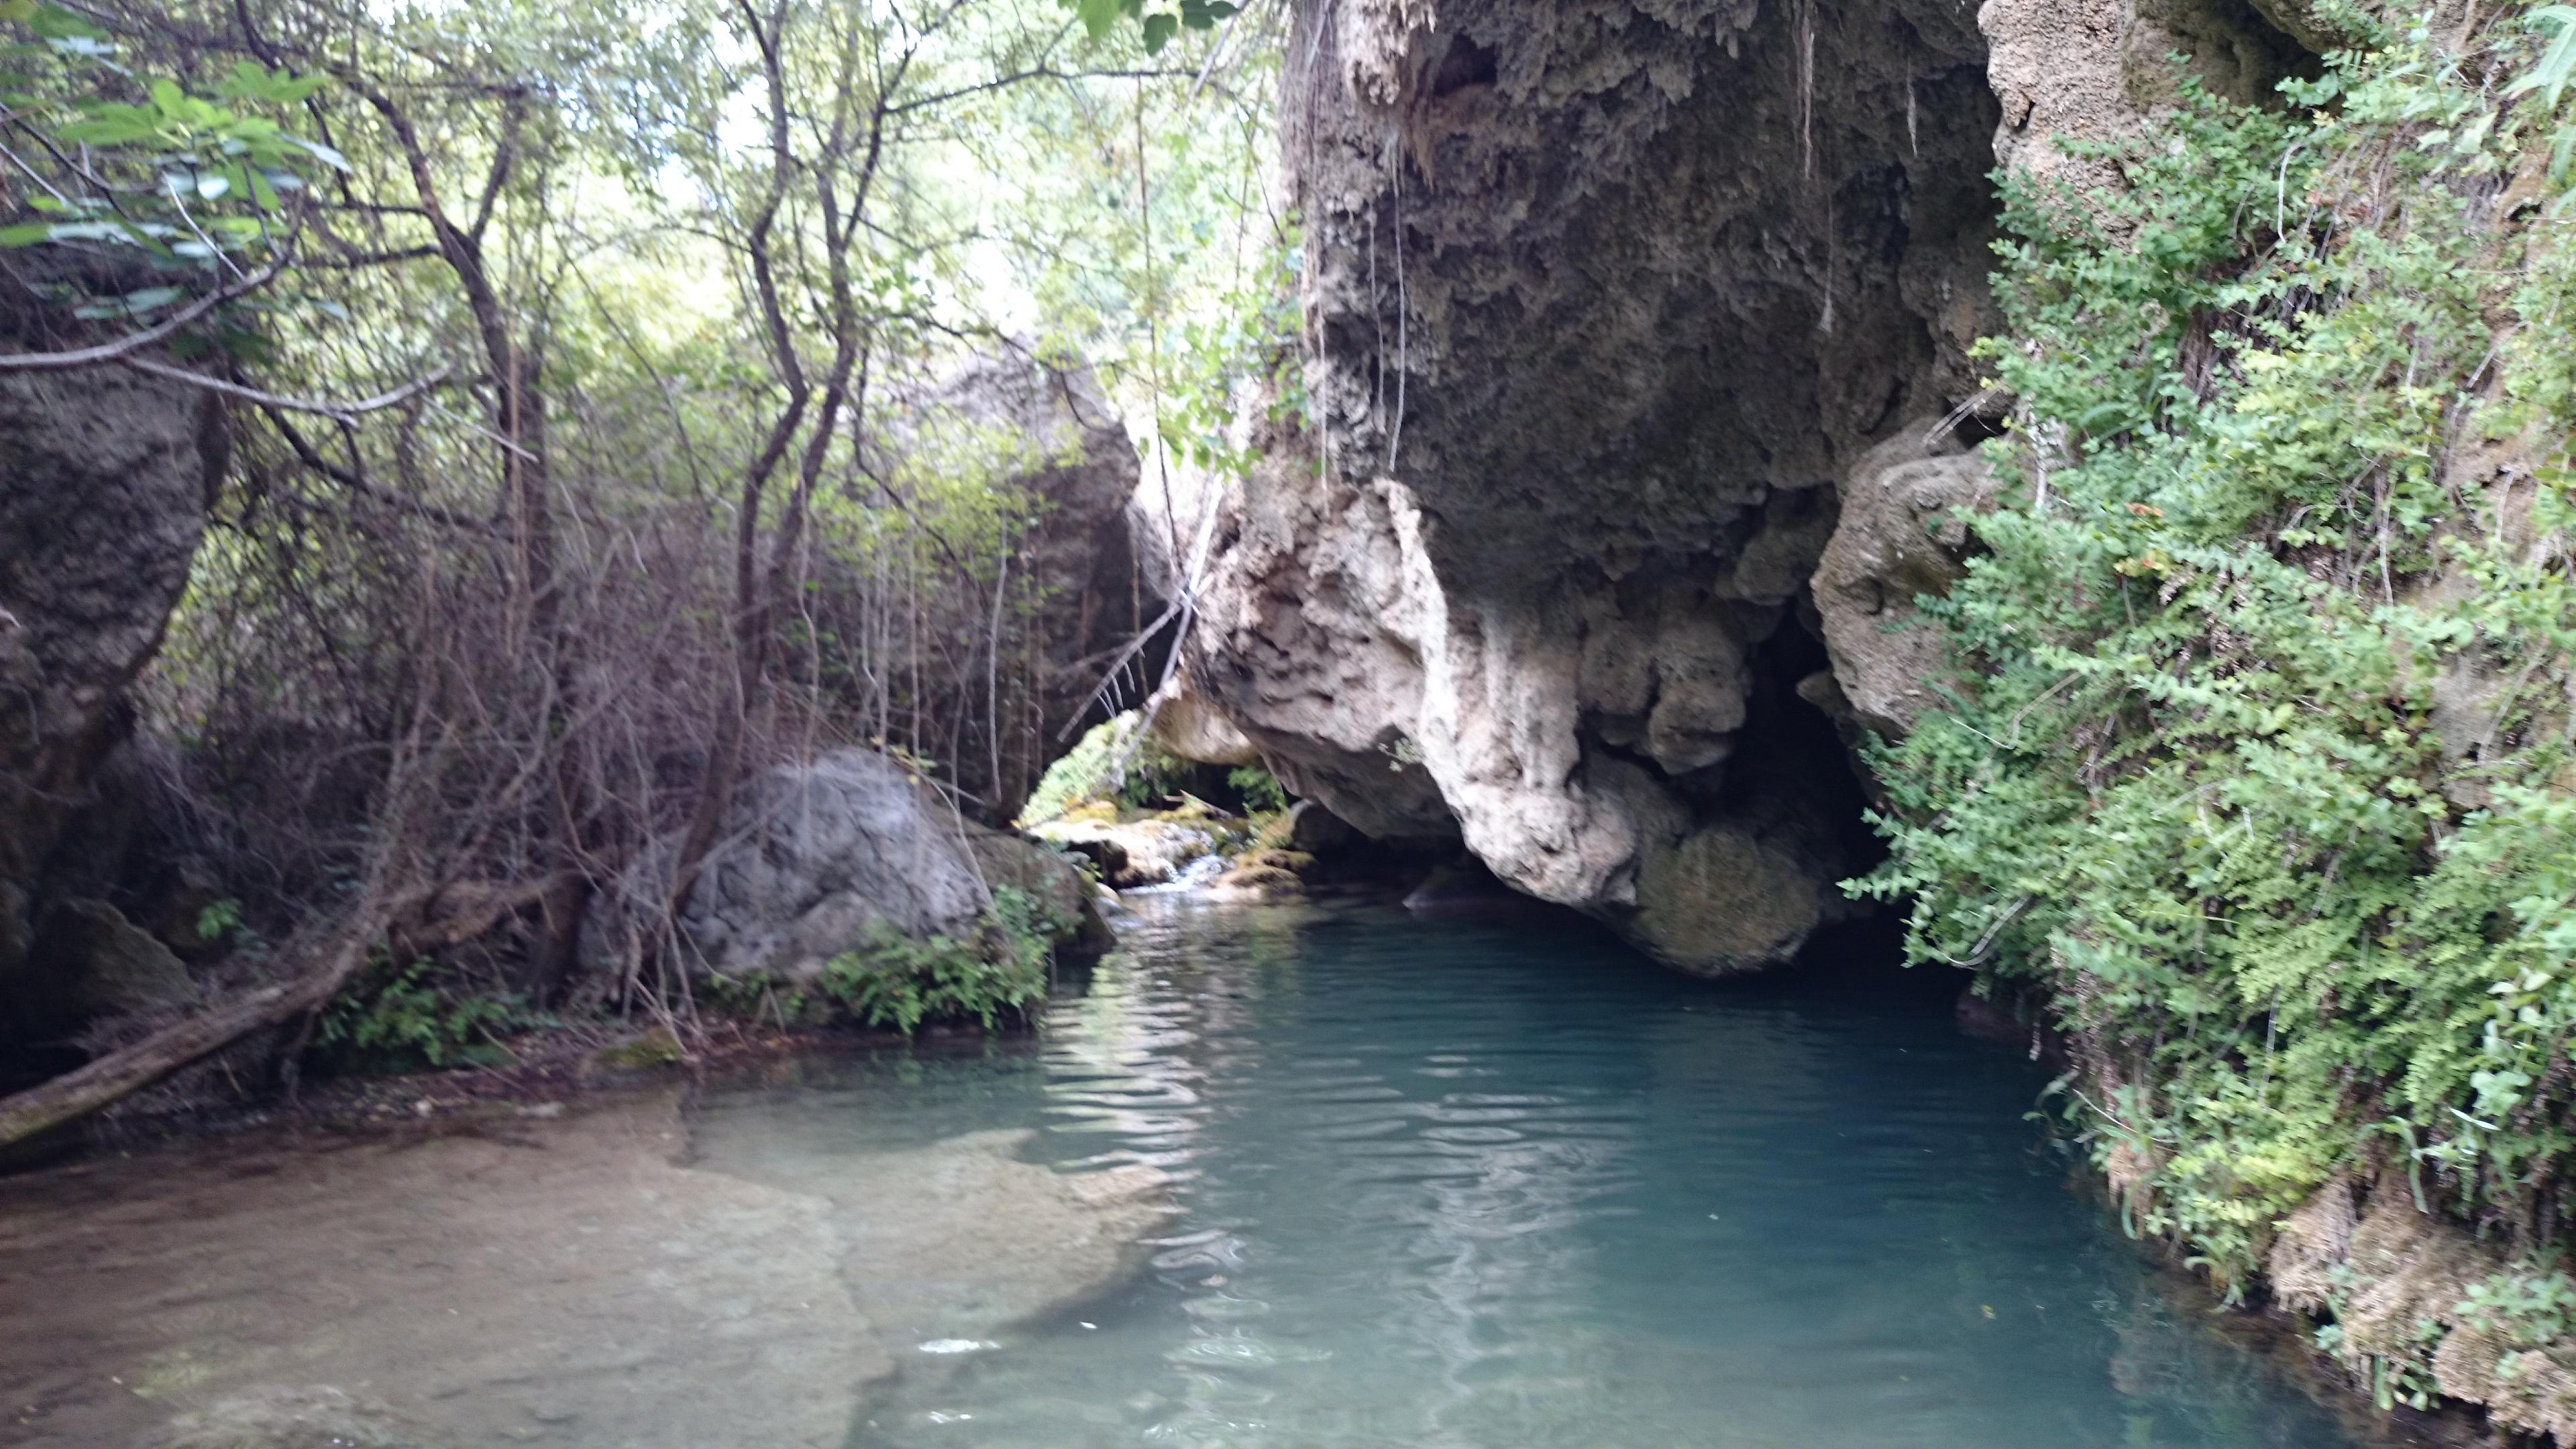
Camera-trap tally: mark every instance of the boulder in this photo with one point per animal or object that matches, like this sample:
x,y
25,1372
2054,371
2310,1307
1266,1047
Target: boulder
x,y
1269,876
1147,852
1188,726
1055,448
1048,876
812,855
1108,858
1724,895
88,962
105,477
1900,539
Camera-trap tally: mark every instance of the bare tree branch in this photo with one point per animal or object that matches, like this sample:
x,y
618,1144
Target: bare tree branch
x,y
339,410
132,343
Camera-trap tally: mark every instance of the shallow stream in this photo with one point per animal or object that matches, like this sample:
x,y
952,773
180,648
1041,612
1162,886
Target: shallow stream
x,y
1495,1184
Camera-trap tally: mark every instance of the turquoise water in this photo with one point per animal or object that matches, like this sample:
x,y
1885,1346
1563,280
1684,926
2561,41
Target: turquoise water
x,y
1495,1184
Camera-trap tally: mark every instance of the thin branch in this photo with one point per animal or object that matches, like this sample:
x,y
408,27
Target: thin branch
x,y
1043,72
136,342
340,410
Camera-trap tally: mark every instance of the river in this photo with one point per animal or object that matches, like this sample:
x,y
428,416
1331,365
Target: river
x,y
1276,1177
1499,1184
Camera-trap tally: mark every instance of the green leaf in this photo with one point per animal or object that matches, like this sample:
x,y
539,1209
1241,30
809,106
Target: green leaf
x,y
331,158
26,234
2557,64
119,127
1159,30
1097,16
53,22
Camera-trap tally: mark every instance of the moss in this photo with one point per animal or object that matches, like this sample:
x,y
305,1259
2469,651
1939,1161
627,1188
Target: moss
x,y
653,1051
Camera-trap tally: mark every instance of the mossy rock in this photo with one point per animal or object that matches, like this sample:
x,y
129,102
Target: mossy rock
x,y
1254,882
656,1050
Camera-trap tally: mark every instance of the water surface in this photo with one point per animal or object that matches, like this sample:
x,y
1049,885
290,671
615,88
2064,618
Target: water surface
x,y
1501,1185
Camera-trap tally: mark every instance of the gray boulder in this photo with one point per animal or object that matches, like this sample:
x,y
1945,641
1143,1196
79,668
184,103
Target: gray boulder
x,y
88,962
813,855
1899,539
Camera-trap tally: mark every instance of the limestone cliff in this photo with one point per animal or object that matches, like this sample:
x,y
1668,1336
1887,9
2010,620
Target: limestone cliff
x,y
1609,309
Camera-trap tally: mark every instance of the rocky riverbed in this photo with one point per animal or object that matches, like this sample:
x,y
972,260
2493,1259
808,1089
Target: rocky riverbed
x,y
563,1277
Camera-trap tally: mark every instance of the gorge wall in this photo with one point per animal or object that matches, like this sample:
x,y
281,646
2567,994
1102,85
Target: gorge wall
x,y
1611,311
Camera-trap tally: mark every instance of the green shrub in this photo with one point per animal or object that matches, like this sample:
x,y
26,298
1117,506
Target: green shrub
x,y
1259,788
894,980
408,1020
2199,791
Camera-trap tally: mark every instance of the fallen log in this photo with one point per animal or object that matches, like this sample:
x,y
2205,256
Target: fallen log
x,y
101,1083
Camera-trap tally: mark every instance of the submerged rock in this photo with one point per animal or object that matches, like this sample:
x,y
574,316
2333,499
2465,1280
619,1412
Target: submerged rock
x,y
558,1280
295,1418
1263,875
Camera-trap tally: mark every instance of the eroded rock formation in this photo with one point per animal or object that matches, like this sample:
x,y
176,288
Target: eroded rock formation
x,y
105,478
1613,312
1058,447
1600,301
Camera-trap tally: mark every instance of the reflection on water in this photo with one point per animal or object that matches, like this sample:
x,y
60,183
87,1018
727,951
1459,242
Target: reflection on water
x,y
1493,1186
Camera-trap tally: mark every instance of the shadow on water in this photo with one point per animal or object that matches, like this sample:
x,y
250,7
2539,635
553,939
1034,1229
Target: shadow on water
x,y
1496,1182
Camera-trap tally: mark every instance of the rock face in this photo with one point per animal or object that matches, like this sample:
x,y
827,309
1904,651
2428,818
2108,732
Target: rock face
x,y
1899,539
1612,315
1187,726
105,477
1061,448
2087,70
1600,301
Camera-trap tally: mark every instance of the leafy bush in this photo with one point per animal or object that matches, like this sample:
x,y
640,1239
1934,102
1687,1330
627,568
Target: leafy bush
x,y
1114,762
893,980
2262,775
1259,789
408,1022
2524,1309
192,185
